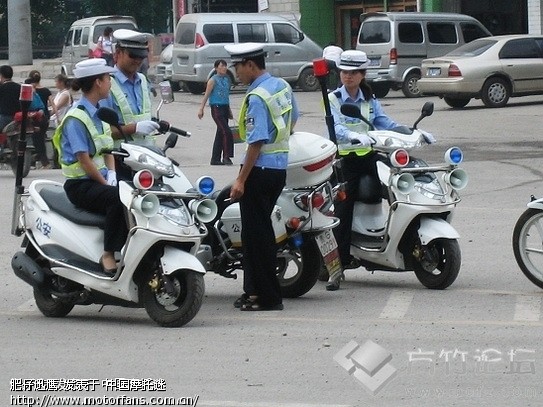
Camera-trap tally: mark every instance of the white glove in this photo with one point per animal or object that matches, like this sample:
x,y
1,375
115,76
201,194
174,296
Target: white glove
x,y
359,139
146,126
428,137
111,178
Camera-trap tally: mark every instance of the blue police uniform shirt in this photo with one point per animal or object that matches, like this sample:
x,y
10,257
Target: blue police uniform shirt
x,y
260,125
132,91
75,137
377,116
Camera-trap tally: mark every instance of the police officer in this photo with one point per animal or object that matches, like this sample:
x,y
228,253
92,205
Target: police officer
x,y
354,146
130,90
80,140
268,114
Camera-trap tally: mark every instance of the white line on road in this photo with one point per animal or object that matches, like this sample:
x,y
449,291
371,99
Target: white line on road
x,y
397,305
527,308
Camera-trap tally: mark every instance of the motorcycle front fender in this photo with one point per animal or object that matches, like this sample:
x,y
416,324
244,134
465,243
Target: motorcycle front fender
x,y
175,259
435,228
537,204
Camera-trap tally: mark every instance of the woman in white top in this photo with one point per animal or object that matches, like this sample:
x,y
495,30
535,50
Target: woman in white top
x,y
105,43
63,99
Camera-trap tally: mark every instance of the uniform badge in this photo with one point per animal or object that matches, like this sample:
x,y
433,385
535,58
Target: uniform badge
x,y
250,123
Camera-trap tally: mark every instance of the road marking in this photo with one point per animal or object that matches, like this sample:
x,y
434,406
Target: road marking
x,y
27,306
397,305
527,308
225,403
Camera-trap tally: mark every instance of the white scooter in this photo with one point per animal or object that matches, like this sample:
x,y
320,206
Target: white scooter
x,y
410,229
157,268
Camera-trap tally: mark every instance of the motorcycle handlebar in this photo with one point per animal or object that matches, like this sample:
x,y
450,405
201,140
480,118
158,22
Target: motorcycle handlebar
x,y
165,126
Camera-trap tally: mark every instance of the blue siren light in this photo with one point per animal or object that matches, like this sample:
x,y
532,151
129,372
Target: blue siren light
x,y
205,185
454,156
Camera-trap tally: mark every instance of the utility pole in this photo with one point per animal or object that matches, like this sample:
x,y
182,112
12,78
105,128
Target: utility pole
x,y
19,32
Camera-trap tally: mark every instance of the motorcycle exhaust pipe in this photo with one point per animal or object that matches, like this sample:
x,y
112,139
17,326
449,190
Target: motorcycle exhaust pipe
x,y
27,269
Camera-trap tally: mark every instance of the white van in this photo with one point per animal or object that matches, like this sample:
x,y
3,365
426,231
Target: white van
x,y
200,38
396,43
82,37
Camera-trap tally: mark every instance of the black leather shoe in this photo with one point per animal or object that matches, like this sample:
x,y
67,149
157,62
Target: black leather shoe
x,y
227,161
333,285
353,263
216,163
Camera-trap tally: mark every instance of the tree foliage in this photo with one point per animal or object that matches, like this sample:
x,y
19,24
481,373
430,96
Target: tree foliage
x,y
50,19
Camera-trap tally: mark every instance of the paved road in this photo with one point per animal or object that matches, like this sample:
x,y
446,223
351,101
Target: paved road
x,y
451,347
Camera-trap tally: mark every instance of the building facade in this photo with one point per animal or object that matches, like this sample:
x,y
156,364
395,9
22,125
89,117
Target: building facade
x,y
338,21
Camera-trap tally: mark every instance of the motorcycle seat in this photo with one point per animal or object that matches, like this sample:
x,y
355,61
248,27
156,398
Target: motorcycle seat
x,y
56,199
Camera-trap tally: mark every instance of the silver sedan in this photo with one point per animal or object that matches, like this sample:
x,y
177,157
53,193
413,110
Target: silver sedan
x,y
492,69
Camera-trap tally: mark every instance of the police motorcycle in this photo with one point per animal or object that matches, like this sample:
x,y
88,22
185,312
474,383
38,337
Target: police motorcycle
x,y
301,219
157,269
410,230
9,136
528,241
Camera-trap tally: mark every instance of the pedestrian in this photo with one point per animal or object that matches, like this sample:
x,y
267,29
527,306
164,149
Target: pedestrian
x,y
9,96
218,93
34,78
105,44
63,99
267,117
130,90
81,140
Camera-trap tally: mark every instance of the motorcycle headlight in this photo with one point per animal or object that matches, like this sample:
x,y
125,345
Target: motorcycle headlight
x,y
430,190
159,166
178,215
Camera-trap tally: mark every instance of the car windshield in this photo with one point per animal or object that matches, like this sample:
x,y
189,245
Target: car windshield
x,y
472,49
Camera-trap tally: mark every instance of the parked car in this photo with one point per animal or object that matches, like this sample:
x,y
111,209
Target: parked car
x,y
200,39
397,42
82,38
492,69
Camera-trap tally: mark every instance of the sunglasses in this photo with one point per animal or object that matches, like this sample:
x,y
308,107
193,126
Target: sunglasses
x,y
134,55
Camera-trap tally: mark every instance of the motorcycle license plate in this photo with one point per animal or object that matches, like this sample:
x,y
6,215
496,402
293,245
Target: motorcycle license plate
x,y
327,245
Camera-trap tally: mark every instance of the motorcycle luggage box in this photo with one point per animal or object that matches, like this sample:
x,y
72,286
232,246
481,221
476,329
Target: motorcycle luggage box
x,y
310,160
231,219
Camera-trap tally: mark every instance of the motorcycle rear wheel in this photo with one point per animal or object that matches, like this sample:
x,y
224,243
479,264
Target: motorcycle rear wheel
x,y
51,306
527,245
298,269
445,267
178,309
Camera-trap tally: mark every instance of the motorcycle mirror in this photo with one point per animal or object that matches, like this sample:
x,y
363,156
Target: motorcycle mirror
x,y
351,110
111,117
170,142
427,110
166,93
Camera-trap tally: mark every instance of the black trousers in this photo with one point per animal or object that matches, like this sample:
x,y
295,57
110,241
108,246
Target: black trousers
x,y
103,199
224,142
262,188
354,169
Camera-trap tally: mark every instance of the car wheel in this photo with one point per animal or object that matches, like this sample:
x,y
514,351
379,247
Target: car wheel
x,y
496,92
196,88
307,81
456,102
176,86
410,87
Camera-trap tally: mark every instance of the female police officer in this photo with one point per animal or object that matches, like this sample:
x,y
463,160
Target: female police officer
x,y
81,140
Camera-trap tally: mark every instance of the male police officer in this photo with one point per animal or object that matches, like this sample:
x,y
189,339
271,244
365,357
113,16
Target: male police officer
x,y
130,91
268,114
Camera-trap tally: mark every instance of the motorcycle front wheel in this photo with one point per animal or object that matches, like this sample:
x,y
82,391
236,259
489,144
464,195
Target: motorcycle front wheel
x,y
440,264
177,308
298,269
528,245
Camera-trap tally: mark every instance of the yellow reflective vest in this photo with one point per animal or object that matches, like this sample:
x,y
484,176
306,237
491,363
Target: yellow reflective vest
x,y
346,148
278,104
128,115
100,141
